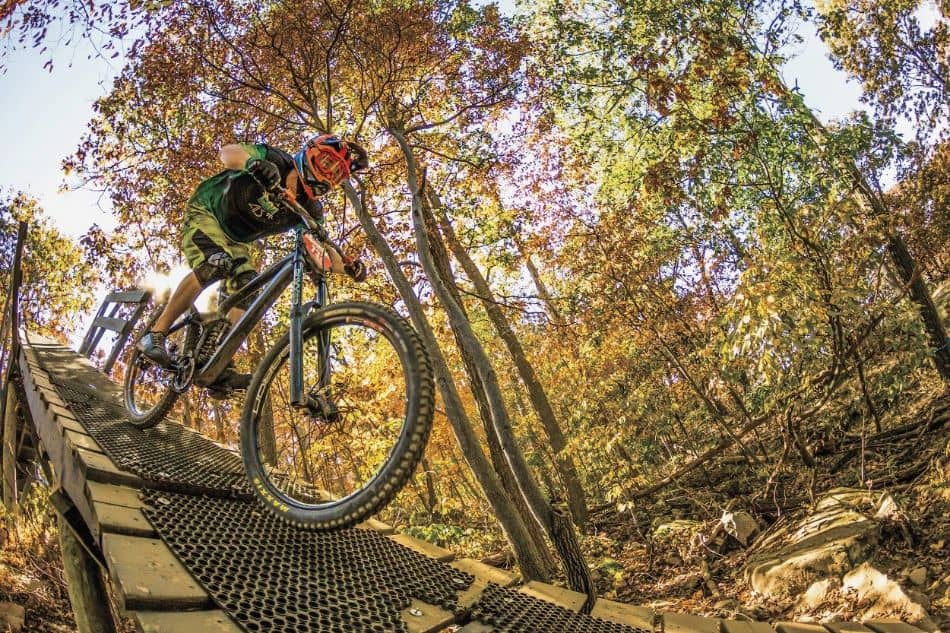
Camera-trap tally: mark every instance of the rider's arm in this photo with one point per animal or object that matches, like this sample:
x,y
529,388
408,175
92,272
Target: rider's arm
x,y
235,155
315,209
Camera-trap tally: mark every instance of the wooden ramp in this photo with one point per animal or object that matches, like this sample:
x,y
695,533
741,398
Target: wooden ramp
x,y
114,510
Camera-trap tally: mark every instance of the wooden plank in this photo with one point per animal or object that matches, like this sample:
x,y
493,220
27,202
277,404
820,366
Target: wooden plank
x,y
114,495
377,526
484,572
621,613
890,626
109,323
98,467
148,577
684,623
68,468
421,617
63,412
50,398
423,547
83,441
745,626
558,595
121,520
126,296
476,627
799,627
846,627
183,622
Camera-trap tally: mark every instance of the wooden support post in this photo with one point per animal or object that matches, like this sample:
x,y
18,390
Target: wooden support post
x,y
87,591
9,453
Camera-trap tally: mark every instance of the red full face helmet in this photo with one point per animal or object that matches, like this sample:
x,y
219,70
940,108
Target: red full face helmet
x,y
325,161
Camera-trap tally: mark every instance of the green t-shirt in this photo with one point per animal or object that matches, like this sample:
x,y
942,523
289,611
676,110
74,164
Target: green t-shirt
x,y
240,204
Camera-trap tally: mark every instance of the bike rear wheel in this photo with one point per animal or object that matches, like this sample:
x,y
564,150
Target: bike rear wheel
x,y
149,389
345,455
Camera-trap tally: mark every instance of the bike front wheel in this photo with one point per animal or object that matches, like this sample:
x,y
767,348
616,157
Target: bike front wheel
x,y
341,456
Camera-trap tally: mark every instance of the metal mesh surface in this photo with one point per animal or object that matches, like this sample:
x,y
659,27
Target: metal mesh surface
x,y
270,576
167,457
511,611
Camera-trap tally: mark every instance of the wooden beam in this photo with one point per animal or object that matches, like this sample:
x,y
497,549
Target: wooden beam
x,y
9,453
566,598
185,622
87,593
423,547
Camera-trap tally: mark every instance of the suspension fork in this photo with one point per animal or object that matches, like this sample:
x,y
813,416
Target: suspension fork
x,y
297,396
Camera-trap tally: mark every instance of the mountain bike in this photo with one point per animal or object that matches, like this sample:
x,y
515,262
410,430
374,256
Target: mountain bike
x,y
338,413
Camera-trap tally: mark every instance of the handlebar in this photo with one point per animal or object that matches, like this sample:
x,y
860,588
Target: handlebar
x,y
351,265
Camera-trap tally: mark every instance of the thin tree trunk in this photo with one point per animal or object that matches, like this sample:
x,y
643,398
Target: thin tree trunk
x,y
564,463
558,527
431,499
539,285
218,422
513,524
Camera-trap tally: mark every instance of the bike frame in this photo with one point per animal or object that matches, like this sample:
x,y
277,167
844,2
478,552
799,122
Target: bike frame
x,y
273,280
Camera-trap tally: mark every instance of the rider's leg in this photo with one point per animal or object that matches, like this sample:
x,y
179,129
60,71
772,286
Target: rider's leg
x,y
185,294
230,379
212,256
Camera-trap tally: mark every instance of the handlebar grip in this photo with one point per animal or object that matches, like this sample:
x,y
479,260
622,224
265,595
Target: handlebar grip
x,y
355,268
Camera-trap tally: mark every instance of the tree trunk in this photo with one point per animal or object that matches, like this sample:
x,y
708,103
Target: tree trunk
x,y
516,531
564,463
87,592
558,527
442,262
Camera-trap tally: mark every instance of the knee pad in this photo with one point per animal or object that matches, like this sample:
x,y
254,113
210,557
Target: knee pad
x,y
237,282
215,267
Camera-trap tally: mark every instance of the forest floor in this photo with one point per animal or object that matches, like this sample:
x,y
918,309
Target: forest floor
x,y
681,559
673,553
32,584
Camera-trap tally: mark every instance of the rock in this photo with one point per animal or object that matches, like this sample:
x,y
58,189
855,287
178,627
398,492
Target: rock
x,y
919,597
828,543
888,510
850,498
817,593
918,576
741,526
12,617
882,598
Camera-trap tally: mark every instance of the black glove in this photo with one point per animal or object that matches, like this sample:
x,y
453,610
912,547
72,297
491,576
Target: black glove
x,y
356,269
264,171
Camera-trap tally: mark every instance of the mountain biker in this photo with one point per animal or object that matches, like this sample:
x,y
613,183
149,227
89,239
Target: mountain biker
x,y
230,210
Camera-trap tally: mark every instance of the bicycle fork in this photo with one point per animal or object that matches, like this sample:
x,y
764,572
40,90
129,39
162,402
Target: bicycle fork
x,y
298,397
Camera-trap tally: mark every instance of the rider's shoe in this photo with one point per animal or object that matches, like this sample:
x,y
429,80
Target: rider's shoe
x,y
228,382
152,346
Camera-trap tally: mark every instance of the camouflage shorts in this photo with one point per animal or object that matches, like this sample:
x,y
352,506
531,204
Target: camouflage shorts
x,y
203,237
